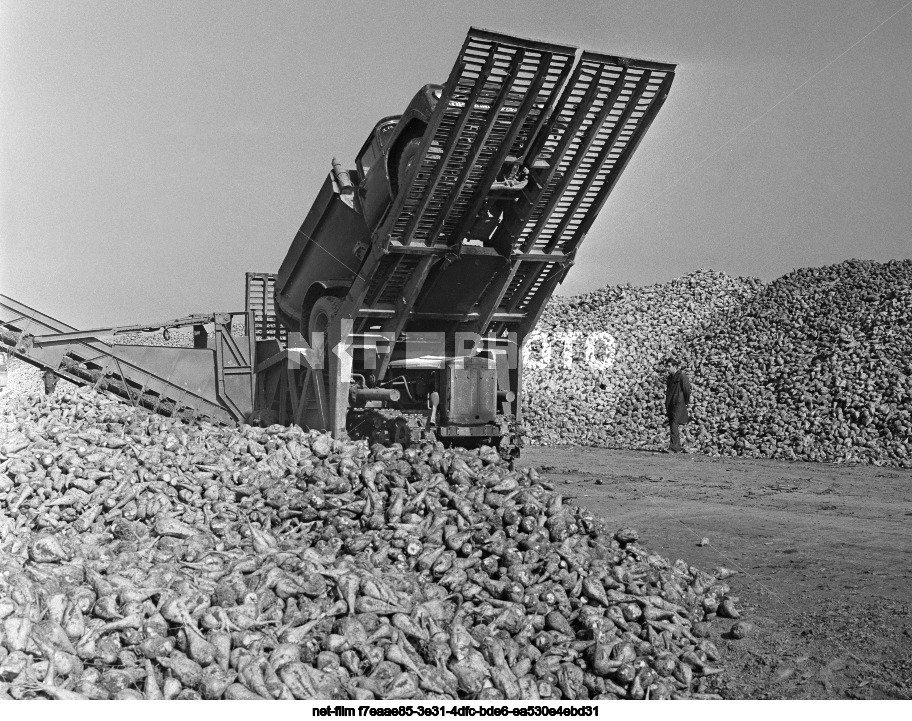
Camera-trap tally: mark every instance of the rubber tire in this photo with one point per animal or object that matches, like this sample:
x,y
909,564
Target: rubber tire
x,y
407,162
321,311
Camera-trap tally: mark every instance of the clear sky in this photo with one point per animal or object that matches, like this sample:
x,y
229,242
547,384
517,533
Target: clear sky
x,y
152,152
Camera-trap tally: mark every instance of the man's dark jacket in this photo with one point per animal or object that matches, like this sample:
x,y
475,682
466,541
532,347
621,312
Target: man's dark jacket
x,y
677,396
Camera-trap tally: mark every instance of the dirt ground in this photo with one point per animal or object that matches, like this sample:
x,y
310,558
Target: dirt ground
x,y
823,554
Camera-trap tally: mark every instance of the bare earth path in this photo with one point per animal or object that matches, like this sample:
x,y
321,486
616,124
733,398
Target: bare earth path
x,y
824,554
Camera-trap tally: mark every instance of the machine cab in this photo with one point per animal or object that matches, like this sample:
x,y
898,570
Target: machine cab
x,y
374,185
380,159
374,145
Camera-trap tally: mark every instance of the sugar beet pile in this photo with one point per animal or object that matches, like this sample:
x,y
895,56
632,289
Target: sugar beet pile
x,y
617,406
816,365
142,557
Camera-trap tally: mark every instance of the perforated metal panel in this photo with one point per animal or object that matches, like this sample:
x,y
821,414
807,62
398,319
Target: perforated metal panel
x,y
260,294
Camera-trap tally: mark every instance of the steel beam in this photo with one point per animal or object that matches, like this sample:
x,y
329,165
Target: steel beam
x,y
404,306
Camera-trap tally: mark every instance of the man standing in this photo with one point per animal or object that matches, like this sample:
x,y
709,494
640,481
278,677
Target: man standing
x,y
677,396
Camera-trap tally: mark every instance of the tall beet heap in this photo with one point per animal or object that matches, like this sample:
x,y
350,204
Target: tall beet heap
x,y
816,365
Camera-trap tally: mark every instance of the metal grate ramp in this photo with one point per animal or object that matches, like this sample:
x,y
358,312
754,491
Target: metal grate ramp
x,y
604,111
493,105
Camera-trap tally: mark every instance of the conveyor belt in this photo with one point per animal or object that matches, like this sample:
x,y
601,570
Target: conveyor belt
x,y
209,383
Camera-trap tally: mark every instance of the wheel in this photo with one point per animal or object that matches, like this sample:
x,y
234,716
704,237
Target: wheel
x,y
400,432
408,161
317,319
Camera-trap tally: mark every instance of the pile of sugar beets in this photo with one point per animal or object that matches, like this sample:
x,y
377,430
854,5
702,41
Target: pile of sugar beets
x,y
617,401
142,557
815,366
